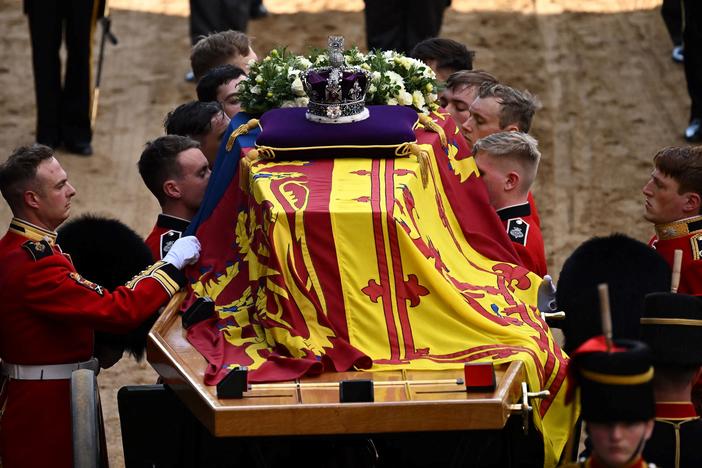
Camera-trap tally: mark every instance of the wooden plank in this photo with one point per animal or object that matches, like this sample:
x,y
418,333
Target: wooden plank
x,y
404,402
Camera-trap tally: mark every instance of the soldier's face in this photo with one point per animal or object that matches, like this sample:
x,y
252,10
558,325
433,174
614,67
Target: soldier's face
x,y
194,176
483,120
209,143
228,98
244,61
52,198
616,444
662,203
457,102
495,177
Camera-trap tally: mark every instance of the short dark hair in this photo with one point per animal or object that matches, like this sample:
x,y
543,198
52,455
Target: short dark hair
x,y
515,106
192,119
213,79
464,78
447,53
159,162
684,164
216,49
20,169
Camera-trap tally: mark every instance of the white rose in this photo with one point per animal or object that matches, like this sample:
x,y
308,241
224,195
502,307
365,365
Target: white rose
x,y
372,89
418,99
404,98
288,104
256,90
431,97
395,78
404,62
297,87
392,102
302,101
304,62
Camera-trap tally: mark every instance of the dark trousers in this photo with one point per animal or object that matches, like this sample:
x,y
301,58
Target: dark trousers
x,y
400,24
63,109
209,16
692,38
672,14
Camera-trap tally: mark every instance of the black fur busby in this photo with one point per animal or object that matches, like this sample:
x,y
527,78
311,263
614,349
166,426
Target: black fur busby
x,y
672,327
109,253
615,385
629,267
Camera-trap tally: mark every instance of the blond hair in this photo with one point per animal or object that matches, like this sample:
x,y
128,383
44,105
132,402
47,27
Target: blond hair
x,y
513,147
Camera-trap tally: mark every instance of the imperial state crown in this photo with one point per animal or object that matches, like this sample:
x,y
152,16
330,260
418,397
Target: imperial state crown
x,y
337,92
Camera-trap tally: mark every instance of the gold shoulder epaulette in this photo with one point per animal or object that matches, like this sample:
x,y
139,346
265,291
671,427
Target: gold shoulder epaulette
x,y
679,228
38,249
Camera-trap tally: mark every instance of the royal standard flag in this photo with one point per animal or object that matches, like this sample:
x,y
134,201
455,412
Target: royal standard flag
x,y
342,264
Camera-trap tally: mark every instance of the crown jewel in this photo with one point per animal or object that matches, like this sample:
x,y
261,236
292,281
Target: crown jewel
x,y
337,93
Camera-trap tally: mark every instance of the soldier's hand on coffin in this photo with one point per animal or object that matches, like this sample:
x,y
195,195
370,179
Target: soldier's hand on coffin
x,y
185,251
546,299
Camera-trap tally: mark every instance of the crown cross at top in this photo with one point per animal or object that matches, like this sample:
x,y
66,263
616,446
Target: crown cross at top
x,y
336,51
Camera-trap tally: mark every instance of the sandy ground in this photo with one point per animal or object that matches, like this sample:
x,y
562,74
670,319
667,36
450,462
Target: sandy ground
x,y
611,97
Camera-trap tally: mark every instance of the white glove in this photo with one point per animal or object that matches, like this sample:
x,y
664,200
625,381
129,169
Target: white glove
x,y
184,251
547,296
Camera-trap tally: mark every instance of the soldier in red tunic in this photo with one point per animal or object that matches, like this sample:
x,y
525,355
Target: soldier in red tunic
x,y
673,197
49,312
176,172
508,162
672,204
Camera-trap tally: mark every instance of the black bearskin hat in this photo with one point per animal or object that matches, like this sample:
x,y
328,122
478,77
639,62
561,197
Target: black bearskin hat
x,y
109,253
629,267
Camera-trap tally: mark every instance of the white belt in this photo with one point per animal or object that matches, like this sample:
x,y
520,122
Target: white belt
x,y
47,371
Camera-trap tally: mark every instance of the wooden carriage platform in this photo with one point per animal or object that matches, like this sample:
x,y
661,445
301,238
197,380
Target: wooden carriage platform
x,y
405,401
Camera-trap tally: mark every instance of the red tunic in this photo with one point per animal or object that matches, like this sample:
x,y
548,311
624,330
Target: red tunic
x,y
525,234
685,235
167,230
47,316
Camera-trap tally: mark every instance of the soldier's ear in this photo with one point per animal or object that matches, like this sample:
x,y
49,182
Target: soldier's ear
x,y
31,198
511,181
693,202
171,189
513,127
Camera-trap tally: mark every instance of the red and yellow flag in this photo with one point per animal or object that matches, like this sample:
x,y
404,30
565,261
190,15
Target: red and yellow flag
x,y
337,264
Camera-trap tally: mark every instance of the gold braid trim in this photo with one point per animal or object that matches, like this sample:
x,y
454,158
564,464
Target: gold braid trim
x,y
608,379
243,129
422,156
429,124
